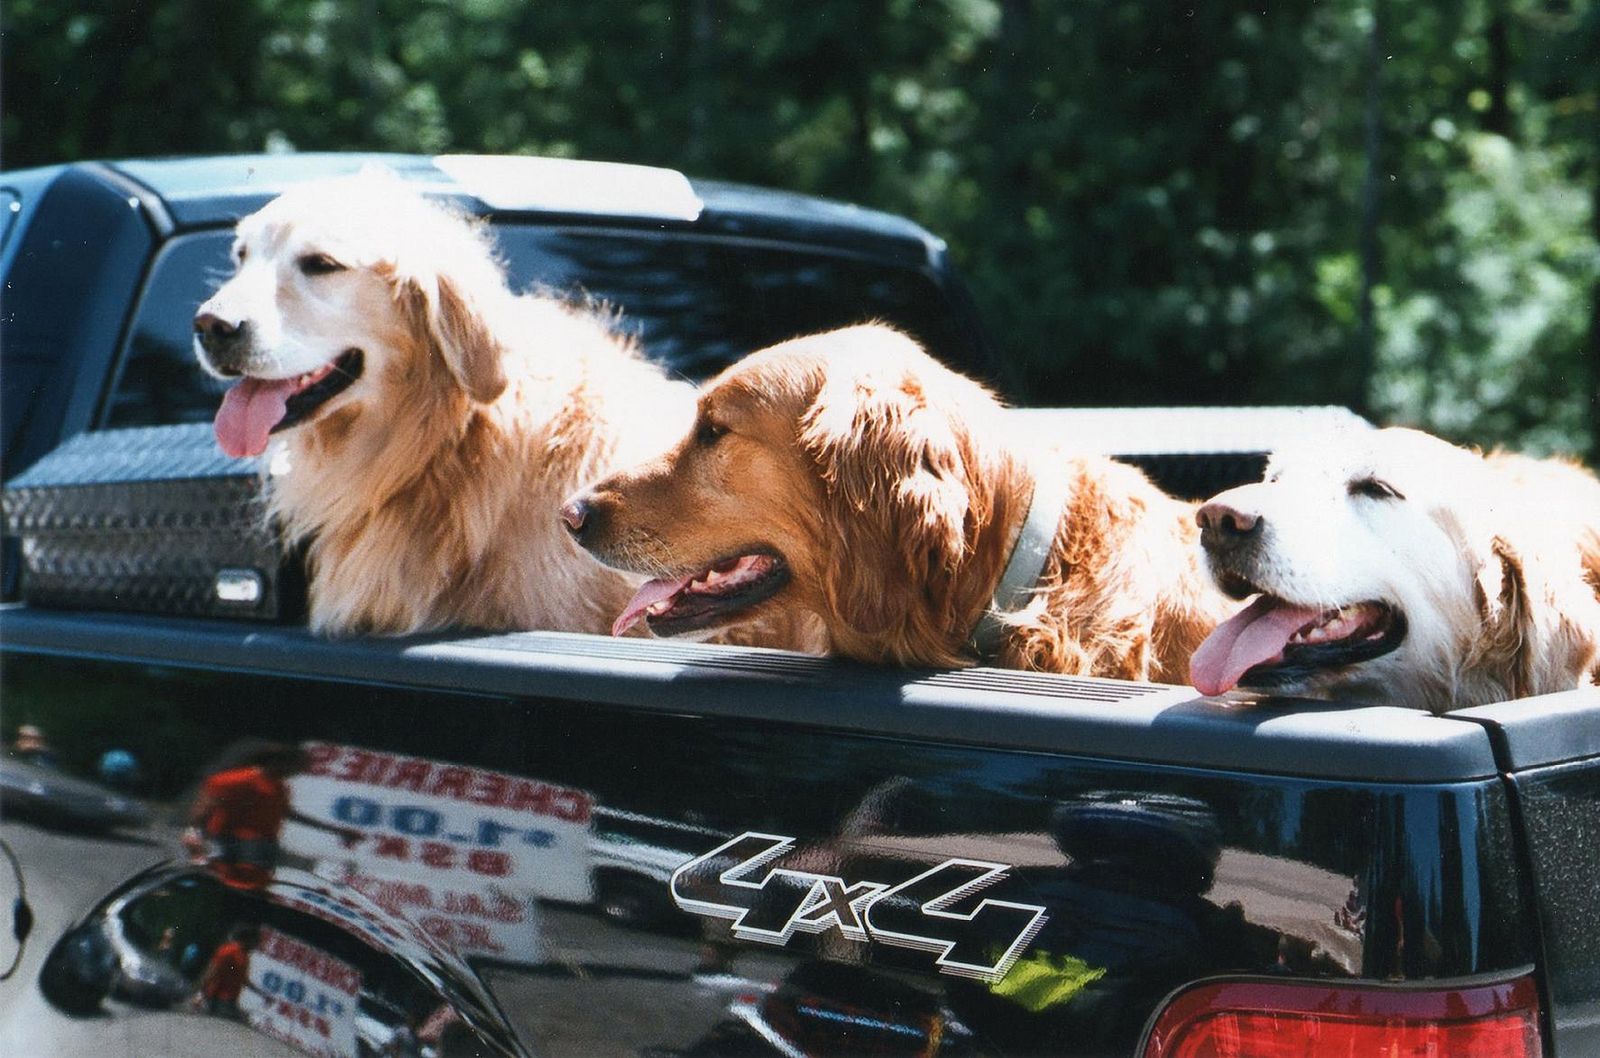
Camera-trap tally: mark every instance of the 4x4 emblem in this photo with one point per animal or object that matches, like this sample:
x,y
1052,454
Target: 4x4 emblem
x,y
935,911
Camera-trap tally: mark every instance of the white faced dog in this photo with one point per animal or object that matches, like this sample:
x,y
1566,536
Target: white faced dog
x,y
428,418
1393,567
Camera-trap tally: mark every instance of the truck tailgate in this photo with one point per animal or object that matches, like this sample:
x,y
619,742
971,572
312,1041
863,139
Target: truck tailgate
x,y
643,847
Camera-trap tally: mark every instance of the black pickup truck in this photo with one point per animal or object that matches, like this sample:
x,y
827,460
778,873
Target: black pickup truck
x,y
235,838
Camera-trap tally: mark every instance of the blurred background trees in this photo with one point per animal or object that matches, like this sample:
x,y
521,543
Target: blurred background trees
x,y
1390,204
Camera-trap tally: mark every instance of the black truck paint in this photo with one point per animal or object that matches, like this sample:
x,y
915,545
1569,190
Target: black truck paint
x,y
556,844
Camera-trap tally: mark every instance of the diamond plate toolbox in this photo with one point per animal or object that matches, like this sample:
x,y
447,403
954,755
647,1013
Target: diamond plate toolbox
x,y
154,519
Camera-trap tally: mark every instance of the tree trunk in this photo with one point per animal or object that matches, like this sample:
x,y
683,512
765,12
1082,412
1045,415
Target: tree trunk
x,y
1594,326
864,61
1497,118
1360,385
701,77
1011,165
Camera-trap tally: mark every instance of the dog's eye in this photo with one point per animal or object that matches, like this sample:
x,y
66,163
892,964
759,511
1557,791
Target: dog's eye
x,y
707,433
1374,489
318,264
239,255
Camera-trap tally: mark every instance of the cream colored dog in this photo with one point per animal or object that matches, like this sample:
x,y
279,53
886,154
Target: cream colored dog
x,y
426,422
1393,567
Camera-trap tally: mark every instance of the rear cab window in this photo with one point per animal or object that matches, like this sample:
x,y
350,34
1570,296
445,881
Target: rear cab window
x,y
696,303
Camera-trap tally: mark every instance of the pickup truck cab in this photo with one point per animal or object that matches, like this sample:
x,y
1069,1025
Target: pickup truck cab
x,y
538,843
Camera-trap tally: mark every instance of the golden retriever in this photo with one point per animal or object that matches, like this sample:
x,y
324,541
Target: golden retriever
x,y
1395,568
850,476
425,420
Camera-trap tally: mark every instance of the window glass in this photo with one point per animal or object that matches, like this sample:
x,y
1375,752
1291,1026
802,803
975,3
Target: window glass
x,y
160,381
696,303
10,210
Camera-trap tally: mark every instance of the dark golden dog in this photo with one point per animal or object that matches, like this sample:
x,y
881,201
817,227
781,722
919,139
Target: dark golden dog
x,y
851,477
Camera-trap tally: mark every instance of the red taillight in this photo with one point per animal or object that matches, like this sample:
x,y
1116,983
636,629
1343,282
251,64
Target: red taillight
x,y
1274,1020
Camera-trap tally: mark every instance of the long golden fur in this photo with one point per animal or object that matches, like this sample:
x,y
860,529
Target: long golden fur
x,y
883,493
427,490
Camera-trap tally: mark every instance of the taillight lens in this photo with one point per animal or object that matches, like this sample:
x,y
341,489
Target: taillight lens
x,y
1273,1020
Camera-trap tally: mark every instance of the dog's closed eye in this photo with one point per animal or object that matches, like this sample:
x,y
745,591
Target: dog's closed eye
x,y
1374,489
707,433
315,264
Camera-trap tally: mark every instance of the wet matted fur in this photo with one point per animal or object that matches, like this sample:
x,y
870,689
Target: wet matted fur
x,y
850,476
427,488
1396,568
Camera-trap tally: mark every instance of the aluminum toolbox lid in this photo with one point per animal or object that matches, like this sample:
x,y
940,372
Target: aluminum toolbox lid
x,y
151,519
137,454
1192,453
1187,431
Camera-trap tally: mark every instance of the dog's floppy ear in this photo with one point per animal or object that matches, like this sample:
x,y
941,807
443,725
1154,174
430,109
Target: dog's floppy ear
x,y
456,323
1506,645
448,281
1541,619
894,466
1589,554
466,341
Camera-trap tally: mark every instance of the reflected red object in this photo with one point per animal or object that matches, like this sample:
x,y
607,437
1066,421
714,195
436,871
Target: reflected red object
x,y
1278,1020
246,804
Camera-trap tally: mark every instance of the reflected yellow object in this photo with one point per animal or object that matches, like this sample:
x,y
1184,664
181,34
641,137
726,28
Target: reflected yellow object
x,y
1043,980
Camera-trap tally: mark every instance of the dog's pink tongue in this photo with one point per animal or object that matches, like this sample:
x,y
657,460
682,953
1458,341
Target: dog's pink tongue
x,y
652,592
1255,634
249,412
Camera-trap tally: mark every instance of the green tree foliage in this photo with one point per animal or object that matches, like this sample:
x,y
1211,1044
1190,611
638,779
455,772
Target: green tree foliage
x,y
1154,201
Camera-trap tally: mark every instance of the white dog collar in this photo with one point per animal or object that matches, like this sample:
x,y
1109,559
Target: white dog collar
x,y
1028,557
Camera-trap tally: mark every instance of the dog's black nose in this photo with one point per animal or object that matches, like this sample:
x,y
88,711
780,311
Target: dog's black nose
x,y
575,515
1223,525
213,328
223,341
